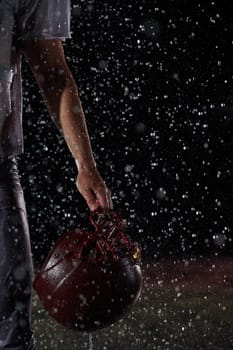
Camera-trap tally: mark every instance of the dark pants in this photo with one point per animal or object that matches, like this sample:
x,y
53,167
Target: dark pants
x,y
16,268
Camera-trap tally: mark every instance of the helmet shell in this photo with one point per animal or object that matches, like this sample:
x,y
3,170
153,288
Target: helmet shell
x,y
83,292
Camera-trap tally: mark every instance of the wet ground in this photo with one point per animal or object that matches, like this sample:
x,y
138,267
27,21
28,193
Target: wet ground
x,y
186,304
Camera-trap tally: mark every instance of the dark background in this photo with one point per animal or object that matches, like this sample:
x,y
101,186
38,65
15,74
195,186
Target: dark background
x,y
155,81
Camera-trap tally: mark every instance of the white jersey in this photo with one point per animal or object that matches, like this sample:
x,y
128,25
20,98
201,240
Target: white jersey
x,y
23,20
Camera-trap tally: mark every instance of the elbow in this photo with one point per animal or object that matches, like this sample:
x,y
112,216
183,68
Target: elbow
x,y
56,80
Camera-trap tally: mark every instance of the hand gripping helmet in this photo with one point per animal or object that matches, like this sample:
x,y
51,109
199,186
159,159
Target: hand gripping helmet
x,y
90,279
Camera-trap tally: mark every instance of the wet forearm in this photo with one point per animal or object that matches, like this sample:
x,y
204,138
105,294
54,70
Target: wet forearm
x,y
62,99
72,120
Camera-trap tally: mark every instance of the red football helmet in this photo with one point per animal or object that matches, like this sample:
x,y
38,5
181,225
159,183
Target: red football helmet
x,y
90,279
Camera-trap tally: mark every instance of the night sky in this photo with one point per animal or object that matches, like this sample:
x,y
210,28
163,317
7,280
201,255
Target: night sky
x,y
155,81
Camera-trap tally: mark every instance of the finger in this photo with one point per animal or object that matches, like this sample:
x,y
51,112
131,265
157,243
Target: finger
x,y
102,197
90,198
110,204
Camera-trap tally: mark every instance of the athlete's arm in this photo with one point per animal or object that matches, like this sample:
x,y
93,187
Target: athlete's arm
x,y
60,93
